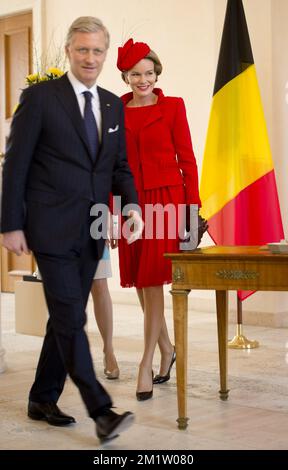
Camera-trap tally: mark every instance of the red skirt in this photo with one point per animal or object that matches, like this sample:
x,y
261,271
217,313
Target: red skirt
x,y
142,263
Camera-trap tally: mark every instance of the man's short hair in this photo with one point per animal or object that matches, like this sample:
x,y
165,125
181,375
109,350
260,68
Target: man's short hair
x,y
87,24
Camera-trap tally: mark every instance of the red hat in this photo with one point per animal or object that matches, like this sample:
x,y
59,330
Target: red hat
x,y
131,53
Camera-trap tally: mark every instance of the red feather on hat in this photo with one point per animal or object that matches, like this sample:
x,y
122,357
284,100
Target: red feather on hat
x,y
131,53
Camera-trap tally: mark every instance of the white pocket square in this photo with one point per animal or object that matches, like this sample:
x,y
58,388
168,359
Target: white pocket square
x,y
111,129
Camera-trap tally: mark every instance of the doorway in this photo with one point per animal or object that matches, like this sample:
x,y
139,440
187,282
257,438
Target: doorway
x,y
15,64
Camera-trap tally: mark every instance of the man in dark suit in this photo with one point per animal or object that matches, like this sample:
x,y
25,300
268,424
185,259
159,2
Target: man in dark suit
x,y
66,152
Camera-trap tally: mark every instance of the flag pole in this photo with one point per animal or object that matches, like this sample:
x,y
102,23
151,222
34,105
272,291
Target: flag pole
x,y
240,341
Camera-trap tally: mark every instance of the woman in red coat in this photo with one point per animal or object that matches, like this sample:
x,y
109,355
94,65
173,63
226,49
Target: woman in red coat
x,y
161,158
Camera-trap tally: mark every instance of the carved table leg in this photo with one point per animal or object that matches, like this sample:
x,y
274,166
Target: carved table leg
x,y
222,326
180,305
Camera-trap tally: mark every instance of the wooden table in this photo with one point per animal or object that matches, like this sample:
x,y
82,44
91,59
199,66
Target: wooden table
x,y
221,269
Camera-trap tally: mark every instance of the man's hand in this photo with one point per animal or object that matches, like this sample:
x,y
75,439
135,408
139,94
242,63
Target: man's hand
x,y
16,242
138,225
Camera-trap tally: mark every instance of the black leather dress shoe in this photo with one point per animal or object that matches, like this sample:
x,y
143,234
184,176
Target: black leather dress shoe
x,y
49,412
160,379
110,424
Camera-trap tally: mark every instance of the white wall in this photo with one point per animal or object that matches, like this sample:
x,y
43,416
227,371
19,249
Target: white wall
x,y
186,34
182,33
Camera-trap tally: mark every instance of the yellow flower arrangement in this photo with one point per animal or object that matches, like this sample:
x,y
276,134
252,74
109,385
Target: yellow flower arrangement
x,y
50,74
43,70
33,78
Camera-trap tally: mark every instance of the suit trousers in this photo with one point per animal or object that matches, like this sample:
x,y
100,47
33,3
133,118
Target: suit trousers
x,y
67,282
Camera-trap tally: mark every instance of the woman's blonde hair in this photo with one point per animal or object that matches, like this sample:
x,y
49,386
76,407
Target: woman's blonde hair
x,y
156,61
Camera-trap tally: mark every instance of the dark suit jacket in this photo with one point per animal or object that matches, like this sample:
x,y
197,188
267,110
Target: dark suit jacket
x,y
49,178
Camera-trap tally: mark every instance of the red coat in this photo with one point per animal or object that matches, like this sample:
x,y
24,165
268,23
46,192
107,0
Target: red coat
x,y
164,153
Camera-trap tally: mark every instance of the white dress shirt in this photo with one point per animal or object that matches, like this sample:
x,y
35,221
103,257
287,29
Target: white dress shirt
x,y
79,88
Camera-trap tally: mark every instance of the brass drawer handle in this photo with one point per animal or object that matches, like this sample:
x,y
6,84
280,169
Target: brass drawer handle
x,y
231,274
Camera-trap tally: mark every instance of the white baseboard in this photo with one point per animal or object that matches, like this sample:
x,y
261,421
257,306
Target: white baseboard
x,y
271,319
254,318
129,297
2,362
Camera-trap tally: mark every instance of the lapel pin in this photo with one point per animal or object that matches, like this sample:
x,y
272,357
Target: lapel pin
x,y
108,104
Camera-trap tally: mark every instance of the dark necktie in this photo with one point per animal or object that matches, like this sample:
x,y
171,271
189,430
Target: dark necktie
x,y
90,125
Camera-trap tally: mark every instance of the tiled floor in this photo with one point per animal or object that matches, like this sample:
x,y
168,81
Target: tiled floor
x,y
254,417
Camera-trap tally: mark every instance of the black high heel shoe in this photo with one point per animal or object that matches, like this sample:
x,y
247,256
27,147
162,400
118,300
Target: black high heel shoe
x,y
142,396
160,379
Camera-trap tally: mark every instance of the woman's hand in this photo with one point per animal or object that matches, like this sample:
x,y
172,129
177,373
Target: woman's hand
x,y
137,225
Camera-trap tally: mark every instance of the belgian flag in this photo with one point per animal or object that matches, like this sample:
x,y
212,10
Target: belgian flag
x,y
238,188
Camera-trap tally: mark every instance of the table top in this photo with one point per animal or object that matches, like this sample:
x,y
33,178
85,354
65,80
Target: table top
x,y
252,253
